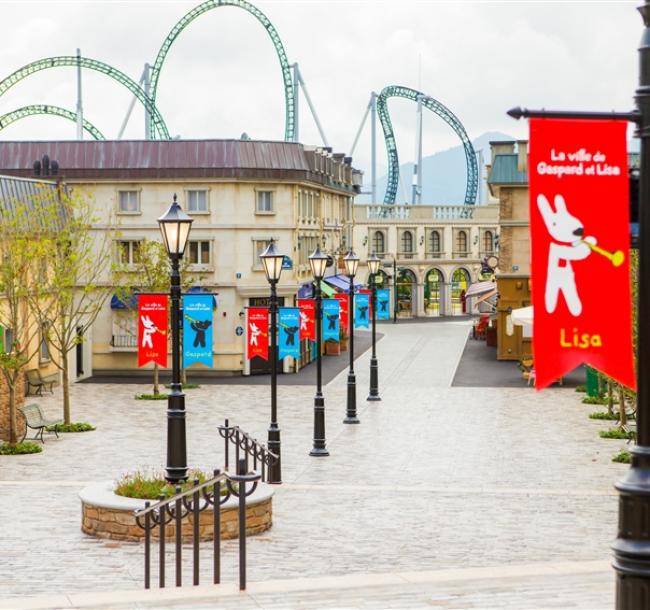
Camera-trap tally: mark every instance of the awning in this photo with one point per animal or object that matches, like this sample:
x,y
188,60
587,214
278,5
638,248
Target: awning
x,y
488,296
306,290
522,316
479,288
129,303
327,290
341,282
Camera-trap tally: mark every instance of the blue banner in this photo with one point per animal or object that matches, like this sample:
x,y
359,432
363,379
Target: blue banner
x,y
383,304
197,329
289,332
330,319
361,310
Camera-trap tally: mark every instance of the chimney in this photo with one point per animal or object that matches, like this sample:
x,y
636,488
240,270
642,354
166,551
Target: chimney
x,y
522,155
506,147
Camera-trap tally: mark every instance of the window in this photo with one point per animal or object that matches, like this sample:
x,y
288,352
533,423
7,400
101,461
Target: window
x,y
434,242
197,201
461,243
8,345
379,243
488,242
129,202
199,252
128,252
43,349
259,245
264,202
407,241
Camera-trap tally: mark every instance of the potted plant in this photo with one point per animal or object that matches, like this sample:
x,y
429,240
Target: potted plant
x,y
343,339
332,348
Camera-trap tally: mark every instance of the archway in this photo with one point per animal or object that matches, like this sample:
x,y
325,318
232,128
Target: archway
x,y
433,286
406,284
460,282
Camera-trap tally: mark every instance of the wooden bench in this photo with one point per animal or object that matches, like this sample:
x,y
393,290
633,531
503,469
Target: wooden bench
x,y
35,420
36,380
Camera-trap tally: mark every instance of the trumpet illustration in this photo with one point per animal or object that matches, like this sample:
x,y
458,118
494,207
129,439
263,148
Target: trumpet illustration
x,y
617,258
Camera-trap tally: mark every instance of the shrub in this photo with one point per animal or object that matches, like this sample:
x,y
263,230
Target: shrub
x,y
616,433
604,415
622,457
594,400
150,486
20,448
151,396
186,386
80,426
581,388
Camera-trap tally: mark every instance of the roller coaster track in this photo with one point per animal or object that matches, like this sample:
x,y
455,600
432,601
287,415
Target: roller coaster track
x,y
90,64
35,109
391,148
268,26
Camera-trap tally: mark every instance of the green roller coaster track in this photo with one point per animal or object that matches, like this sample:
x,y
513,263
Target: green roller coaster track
x,y
391,147
35,109
268,26
90,64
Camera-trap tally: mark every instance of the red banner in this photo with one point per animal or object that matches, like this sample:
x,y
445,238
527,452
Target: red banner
x,y
307,309
257,324
344,302
579,224
367,291
152,329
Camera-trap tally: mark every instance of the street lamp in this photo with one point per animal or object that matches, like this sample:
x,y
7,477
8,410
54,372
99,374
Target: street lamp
x,y
373,269
318,262
175,228
272,262
351,261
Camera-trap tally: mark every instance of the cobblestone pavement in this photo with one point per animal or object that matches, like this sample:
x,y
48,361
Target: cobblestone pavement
x,y
434,477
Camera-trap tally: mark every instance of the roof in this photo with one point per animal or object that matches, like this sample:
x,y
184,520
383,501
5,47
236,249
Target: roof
x,y
132,159
504,171
21,189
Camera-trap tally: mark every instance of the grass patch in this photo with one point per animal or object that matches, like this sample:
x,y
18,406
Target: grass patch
x,y
604,415
151,396
581,388
616,433
80,426
622,457
594,400
20,448
149,486
186,386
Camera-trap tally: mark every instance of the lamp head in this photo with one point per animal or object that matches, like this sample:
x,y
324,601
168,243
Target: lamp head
x,y
318,262
351,262
175,228
272,261
373,263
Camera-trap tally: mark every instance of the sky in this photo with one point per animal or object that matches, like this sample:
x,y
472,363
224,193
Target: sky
x,y
222,76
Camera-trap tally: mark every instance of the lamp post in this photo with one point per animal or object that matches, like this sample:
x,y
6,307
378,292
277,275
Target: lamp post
x,y
351,261
272,262
373,268
318,262
175,228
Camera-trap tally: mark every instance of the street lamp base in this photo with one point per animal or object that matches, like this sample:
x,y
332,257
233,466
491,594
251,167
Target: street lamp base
x,y
351,420
319,452
373,398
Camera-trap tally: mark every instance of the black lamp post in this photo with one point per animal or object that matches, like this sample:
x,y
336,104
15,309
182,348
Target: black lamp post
x,y
351,261
175,228
318,262
272,261
373,269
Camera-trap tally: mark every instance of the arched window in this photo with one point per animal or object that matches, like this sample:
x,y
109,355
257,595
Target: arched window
x,y
432,292
379,243
461,243
434,242
407,244
488,242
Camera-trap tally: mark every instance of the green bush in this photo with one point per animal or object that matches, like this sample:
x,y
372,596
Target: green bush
x,y
594,400
80,426
150,486
20,448
581,388
622,457
616,433
186,386
151,396
604,415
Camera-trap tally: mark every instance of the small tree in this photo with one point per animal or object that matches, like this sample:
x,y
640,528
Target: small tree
x,y
75,281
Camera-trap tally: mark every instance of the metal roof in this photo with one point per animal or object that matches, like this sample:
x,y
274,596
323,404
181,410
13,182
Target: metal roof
x,y
504,171
20,189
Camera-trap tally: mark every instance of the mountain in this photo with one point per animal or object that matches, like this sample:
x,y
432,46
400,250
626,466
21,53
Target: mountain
x,y
443,174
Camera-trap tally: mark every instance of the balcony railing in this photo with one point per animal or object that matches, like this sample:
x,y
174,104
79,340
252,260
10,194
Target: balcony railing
x,y
406,255
124,341
417,212
436,254
460,254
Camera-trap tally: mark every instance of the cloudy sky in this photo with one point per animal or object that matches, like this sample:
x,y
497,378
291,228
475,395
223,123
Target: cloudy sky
x,y
222,75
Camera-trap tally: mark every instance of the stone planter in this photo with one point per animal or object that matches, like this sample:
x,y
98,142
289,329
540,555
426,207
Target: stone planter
x,y
107,515
332,348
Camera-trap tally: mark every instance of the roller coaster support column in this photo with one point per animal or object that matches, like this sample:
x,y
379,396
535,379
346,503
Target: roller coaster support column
x,y
373,146
80,111
146,81
416,196
296,91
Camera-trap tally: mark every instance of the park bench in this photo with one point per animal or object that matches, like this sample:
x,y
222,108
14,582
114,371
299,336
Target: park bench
x,y
630,428
36,380
36,421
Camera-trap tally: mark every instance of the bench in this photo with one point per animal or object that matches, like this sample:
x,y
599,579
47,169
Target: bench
x,y
630,428
34,419
36,380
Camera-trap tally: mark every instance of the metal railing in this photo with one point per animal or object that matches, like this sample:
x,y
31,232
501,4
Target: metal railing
x,y
124,341
192,502
250,447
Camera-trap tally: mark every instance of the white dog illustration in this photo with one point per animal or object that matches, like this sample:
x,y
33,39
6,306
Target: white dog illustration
x,y
148,329
255,332
572,246
304,318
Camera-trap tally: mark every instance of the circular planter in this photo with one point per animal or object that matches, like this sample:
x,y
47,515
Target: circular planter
x,y
104,514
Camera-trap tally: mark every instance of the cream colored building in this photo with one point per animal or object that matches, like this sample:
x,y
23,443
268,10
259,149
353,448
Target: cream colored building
x,y
436,250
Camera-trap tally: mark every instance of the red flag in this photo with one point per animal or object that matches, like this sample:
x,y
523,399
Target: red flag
x,y
579,224
152,329
367,291
307,318
258,333
344,302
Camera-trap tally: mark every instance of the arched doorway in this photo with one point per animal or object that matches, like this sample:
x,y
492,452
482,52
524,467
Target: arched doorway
x,y
460,282
406,284
433,293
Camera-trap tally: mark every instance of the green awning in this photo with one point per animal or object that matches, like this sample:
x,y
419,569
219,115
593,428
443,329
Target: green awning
x,y
327,289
